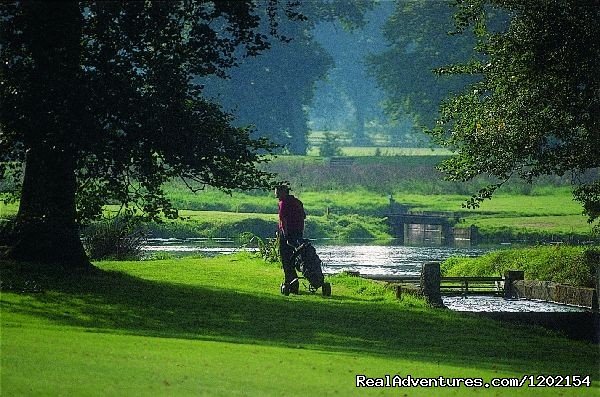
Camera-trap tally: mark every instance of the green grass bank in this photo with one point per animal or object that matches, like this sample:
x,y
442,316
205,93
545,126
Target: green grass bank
x,y
574,265
218,224
219,327
549,215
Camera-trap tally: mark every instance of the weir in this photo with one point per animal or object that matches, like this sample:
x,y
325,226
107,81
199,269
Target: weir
x,y
429,228
577,325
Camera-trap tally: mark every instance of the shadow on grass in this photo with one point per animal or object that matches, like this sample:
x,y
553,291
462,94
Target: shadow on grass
x,y
121,303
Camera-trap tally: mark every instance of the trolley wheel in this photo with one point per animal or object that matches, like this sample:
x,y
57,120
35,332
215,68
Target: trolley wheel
x,y
326,289
285,289
294,287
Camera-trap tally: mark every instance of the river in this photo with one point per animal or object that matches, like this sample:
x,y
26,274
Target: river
x,y
374,260
362,257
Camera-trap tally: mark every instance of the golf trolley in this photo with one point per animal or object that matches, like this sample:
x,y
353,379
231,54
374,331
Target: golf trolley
x,y
307,262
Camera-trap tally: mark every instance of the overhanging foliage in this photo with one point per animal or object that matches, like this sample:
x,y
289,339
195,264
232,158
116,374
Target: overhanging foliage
x,y
536,109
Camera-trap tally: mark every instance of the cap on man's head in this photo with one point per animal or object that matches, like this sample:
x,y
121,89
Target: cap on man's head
x,y
282,188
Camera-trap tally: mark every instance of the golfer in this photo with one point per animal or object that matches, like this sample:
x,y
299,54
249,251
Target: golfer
x,y
291,229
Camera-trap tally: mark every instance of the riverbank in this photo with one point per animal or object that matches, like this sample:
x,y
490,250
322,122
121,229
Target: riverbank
x,y
220,327
543,213
217,224
572,265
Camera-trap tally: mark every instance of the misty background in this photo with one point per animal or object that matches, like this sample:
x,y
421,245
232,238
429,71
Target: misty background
x,y
326,83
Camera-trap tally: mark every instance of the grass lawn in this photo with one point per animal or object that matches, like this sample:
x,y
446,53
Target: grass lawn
x,y
219,326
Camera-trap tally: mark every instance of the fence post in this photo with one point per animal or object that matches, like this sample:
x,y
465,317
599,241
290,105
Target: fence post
x,y
431,277
510,277
398,292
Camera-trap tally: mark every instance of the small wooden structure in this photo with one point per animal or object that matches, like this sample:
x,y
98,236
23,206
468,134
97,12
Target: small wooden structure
x,y
450,285
430,227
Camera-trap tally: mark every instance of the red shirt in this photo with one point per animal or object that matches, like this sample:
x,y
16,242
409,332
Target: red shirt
x,y
291,214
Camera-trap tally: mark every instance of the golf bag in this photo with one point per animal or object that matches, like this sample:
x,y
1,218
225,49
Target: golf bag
x,y
307,262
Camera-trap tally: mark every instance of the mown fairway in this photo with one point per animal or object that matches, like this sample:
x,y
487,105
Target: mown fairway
x,y
220,327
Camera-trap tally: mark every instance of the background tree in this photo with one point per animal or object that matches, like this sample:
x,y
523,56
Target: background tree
x,y
417,34
348,80
536,109
99,101
273,92
330,146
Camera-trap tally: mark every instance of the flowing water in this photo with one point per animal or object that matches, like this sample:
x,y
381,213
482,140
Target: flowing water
x,y
394,260
364,258
372,260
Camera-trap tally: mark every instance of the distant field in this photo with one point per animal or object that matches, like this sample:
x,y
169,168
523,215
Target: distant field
x,y
393,151
356,197
362,214
384,151
549,202
558,201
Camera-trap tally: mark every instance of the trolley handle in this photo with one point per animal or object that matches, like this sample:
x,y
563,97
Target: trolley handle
x,y
295,247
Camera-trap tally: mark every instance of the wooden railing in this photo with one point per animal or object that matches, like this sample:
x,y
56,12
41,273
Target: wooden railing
x,y
452,285
472,285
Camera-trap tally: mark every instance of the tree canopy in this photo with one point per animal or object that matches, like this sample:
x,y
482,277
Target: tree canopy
x,y
273,91
100,102
417,35
536,108
349,94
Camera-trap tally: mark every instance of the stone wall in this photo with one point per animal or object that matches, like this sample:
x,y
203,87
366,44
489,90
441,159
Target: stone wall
x,y
554,292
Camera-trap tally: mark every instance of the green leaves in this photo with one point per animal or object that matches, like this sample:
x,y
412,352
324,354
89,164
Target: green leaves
x,y
419,43
116,86
536,109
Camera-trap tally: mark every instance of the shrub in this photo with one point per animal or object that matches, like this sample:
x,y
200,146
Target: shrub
x,y
268,248
118,238
330,146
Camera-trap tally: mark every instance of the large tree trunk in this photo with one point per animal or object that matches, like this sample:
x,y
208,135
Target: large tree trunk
x,y
46,227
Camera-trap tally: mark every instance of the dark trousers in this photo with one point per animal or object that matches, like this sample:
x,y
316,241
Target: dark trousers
x,y
286,252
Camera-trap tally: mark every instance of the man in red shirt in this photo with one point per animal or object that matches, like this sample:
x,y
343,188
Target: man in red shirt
x,y
291,229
